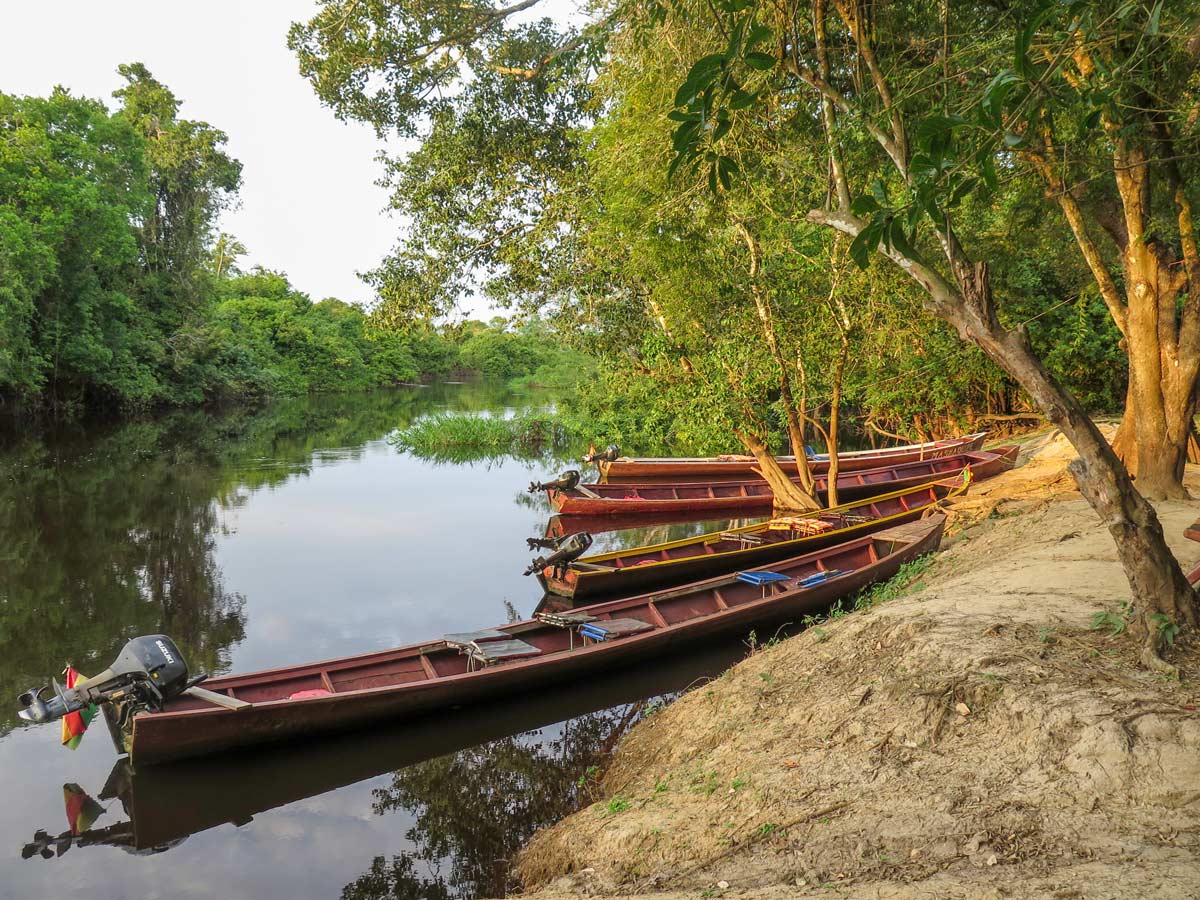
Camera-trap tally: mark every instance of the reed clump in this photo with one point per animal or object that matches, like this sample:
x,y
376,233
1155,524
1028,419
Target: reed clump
x,y
454,437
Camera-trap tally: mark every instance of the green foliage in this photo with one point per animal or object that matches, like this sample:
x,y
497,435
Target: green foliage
x,y
540,181
495,173
115,291
615,806
450,437
1167,630
903,582
1114,623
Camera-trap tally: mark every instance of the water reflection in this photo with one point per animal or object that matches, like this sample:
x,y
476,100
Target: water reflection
x,y
257,539
473,789
103,540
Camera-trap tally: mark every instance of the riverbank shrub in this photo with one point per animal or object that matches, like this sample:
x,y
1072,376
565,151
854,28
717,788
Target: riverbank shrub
x,y
452,437
117,292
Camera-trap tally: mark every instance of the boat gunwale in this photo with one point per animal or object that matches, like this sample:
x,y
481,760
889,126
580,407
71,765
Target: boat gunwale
x,y
572,493
571,502
849,454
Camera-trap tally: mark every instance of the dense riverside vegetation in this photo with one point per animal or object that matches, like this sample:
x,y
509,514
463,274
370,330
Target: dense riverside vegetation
x,y
765,218
116,291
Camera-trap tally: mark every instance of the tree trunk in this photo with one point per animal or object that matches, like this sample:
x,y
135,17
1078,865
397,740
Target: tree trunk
x,y
1156,581
789,496
762,305
1155,578
1125,442
1157,335
835,409
1161,395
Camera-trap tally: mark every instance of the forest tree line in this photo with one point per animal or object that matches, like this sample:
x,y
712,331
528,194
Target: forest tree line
x,y
117,291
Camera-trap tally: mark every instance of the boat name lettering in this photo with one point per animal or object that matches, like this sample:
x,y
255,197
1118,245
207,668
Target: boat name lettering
x,y
165,652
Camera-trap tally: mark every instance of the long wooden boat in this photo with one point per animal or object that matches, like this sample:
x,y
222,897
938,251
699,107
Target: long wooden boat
x,y
737,466
723,496
623,572
321,698
167,803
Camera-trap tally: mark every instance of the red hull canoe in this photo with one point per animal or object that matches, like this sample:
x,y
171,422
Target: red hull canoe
x,y
338,695
735,466
624,572
720,497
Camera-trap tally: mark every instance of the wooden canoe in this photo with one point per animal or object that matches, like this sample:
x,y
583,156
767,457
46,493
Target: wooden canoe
x,y
720,497
623,572
321,698
738,466
170,802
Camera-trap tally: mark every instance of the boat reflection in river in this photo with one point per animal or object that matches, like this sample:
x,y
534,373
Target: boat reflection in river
x,y
479,780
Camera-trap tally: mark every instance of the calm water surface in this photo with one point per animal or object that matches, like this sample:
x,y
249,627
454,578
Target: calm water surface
x,y
259,539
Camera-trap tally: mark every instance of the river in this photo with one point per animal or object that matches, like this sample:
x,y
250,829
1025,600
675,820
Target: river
x,y
259,538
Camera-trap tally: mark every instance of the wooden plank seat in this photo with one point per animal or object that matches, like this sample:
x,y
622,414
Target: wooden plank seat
x,y
611,629
466,638
819,577
492,651
564,619
746,540
762,579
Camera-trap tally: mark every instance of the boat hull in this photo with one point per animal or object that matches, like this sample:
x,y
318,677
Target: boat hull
x,y
723,497
589,579
738,467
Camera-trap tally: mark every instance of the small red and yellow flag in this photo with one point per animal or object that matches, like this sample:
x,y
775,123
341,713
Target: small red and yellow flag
x,y
82,810
76,723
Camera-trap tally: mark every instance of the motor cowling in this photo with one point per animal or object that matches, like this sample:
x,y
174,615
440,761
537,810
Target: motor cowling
x,y
564,482
570,548
611,453
149,670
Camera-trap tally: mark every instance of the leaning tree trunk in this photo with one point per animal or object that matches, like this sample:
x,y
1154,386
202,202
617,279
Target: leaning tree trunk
x,y
1156,581
1154,575
789,496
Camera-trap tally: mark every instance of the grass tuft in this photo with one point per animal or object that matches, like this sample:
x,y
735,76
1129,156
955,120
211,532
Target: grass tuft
x,y
906,580
452,437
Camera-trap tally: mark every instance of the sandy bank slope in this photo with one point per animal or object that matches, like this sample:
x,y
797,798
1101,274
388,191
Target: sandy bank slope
x,y
973,739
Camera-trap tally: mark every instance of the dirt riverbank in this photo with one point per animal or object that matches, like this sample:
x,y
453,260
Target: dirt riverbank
x,y
974,738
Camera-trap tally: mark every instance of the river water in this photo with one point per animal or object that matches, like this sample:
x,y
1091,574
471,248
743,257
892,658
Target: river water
x,y
263,538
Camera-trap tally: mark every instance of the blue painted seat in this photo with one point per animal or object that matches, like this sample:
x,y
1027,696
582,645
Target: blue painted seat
x,y
819,577
760,578
610,629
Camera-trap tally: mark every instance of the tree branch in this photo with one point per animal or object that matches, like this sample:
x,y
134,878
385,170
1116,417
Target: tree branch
x,y
850,14
1083,237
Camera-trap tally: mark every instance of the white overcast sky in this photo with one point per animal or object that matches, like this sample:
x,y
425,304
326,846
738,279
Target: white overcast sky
x,y
309,203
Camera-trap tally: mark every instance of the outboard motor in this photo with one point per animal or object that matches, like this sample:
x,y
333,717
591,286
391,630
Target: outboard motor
x,y
611,453
564,482
570,548
149,671
550,543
